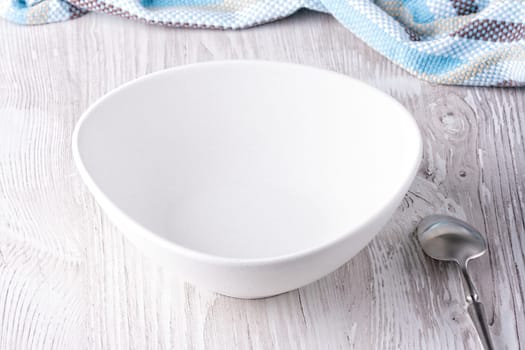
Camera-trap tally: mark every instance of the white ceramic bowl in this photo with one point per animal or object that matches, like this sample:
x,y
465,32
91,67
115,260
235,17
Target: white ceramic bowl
x,y
248,178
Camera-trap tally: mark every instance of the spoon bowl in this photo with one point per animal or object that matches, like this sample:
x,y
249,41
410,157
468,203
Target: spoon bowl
x,y
449,239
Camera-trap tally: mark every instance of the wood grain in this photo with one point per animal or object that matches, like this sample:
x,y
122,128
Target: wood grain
x,y
68,278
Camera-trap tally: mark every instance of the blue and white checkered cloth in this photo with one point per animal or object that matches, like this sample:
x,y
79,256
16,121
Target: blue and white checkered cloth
x,y
463,42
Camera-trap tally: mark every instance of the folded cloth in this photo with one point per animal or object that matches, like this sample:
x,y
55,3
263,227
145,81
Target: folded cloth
x,y
462,42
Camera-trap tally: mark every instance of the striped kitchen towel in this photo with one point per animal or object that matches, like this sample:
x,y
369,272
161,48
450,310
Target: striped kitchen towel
x,y
463,42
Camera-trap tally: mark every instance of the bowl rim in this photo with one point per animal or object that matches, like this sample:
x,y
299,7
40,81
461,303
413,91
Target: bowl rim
x,y
112,210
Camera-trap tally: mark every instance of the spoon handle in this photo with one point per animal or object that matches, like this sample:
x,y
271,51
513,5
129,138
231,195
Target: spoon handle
x,y
476,310
477,314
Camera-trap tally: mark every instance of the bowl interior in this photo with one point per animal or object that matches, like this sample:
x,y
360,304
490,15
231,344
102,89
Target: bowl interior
x,y
248,159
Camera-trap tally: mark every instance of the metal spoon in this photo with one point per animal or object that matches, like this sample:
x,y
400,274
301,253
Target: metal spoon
x,y
447,238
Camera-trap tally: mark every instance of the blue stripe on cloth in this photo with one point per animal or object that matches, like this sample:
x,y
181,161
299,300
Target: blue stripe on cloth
x,y
419,10
17,12
181,3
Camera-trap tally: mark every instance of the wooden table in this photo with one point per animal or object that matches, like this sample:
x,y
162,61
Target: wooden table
x,y
69,280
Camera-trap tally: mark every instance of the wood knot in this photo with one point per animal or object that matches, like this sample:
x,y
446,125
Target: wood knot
x,y
452,124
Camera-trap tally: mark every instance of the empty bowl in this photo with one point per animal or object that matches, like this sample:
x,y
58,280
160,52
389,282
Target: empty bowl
x,y
248,178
